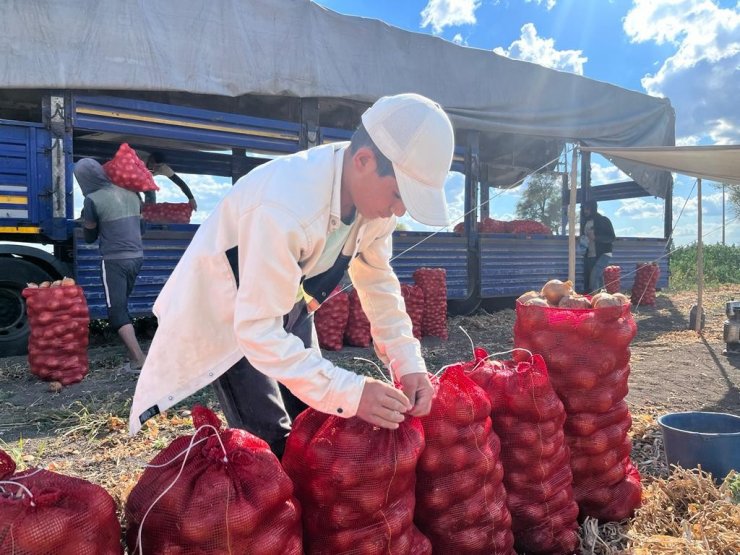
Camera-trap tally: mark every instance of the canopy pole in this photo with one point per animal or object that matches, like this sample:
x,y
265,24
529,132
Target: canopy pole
x,y
699,261
572,217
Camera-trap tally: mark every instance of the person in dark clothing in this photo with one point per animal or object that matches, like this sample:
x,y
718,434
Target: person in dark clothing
x,y
155,163
599,232
112,215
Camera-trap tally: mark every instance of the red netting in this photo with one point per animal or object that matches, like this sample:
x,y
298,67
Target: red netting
x,y
613,279
127,170
587,355
167,212
59,321
331,320
356,484
413,298
528,418
44,513
646,278
529,227
433,281
461,500
357,333
207,502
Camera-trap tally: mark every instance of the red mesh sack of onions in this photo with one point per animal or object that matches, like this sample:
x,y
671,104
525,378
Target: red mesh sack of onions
x,y
42,512
528,418
413,297
643,289
461,500
613,279
127,170
331,320
587,355
59,321
356,483
357,332
167,212
217,491
433,281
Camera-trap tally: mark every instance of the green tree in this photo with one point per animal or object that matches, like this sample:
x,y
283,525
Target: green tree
x,y
732,195
541,200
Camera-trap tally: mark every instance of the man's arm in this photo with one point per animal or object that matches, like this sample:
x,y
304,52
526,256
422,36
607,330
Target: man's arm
x,y
185,189
89,221
604,230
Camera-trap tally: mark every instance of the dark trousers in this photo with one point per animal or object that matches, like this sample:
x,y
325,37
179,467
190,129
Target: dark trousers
x,y
119,277
588,266
259,404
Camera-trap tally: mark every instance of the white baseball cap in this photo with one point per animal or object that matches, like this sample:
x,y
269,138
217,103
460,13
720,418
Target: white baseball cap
x,y
416,135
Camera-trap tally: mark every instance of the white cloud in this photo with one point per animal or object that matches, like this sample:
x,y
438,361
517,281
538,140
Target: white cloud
x,y
701,78
458,39
640,209
549,4
532,48
445,13
601,175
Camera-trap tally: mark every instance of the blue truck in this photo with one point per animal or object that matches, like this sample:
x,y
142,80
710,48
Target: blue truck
x,y
43,133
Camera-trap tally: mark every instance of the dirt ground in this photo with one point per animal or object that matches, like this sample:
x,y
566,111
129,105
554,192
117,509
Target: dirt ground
x,y
82,429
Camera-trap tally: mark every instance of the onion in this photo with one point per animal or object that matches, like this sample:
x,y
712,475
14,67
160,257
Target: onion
x,y
574,301
536,302
622,297
67,281
528,296
554,290
32,285
56,283
45,284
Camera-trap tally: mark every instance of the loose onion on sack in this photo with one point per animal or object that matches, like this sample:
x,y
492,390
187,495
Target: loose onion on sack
x,y
554,290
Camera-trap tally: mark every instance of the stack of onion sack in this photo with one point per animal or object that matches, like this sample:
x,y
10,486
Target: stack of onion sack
x,y
167,212
460,497
215,492
528,417
127,170
357,332
413,298
643,289
433,281
59,320
331,320
44,513
528,227
612,279
355,483
587,354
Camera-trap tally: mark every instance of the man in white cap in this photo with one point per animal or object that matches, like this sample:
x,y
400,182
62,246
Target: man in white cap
x,y
236,311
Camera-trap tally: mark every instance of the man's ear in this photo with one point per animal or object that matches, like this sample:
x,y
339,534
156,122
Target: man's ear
x,y
364,160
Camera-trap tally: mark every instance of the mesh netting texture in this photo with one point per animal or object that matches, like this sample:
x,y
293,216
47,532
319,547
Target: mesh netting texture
x,y
330,320
433,281
59,321
127,170
587,355
357,332
45,513
413,298
227,494
528,418
461,499
356,484
613,279
646,278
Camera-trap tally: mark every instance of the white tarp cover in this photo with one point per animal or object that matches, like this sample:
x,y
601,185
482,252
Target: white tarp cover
x,y
296,48
710,162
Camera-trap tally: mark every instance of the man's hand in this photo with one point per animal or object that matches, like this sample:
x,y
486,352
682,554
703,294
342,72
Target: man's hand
x,y
193,204
590,234
382,404
419,391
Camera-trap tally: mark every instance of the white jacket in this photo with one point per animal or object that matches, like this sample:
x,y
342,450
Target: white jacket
x,y
279,215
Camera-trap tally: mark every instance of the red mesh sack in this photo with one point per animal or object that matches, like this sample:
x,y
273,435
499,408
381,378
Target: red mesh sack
x,y
356,483
127,170
461,500
59,321
167,212
612,279
433,281
587,355
646,278
489,225
217,491
43,513
529,227
357,332
330,320
528,417
413,297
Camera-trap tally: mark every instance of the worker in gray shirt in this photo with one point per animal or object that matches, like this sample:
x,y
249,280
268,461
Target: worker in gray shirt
x,y
112,215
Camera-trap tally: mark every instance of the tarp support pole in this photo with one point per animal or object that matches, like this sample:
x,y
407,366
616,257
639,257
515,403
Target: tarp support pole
x,y
699,260
572,217
668,214
585,176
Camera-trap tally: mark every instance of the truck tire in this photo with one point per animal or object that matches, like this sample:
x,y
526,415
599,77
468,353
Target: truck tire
x,y
14,328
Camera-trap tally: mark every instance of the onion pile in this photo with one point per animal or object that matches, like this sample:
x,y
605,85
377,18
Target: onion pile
x,y
413,297
560,294
59,321
231,496
643,289
127,170
433,281
167,212
331,320
357,332
612,279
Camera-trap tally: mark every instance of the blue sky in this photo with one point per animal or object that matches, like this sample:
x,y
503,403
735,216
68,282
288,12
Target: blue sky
x,y
687,50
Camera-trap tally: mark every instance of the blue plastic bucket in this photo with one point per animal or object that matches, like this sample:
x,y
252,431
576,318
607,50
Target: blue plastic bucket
x,y
709,439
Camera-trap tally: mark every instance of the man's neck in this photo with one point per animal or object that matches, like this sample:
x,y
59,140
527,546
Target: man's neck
x,y
347,206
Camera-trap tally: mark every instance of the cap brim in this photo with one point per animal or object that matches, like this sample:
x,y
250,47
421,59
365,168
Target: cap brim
x,y
425,204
